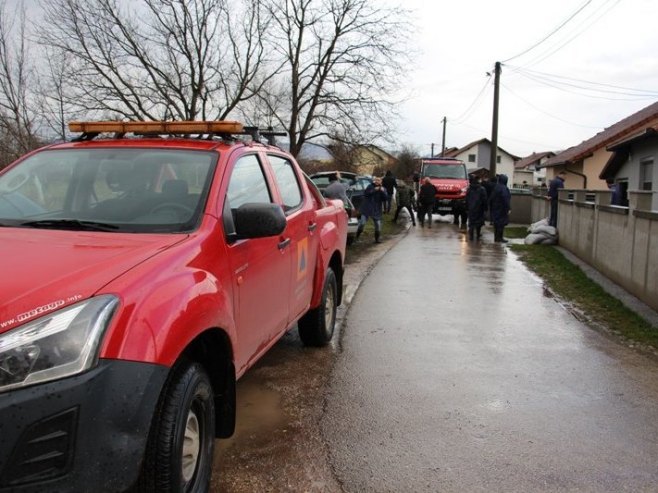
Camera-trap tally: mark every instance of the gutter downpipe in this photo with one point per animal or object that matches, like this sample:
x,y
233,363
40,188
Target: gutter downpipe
x,y
583,175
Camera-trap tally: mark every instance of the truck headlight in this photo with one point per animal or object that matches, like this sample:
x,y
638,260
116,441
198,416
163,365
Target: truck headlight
x,y
57,345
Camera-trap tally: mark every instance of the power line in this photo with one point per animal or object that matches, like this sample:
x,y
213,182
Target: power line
x,y
580,9
478,98
547,54
545,112
583,84
561,87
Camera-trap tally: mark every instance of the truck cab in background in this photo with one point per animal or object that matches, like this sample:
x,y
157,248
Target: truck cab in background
x,y
450,179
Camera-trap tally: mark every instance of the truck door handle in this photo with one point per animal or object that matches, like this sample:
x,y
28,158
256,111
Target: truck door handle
x,y
284,243
312,226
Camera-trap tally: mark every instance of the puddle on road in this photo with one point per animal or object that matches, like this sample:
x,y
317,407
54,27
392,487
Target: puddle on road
x,y
259,414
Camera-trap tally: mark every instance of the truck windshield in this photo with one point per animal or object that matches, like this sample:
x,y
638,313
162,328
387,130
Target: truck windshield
x,y
111,190
455,171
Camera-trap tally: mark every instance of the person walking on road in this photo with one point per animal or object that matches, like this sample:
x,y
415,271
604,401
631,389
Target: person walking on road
x,y
553,192
426,198
476,204
374,199
405,200
390,183
500,207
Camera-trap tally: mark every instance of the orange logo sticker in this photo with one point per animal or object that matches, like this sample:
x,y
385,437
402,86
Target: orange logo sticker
x,y
302,258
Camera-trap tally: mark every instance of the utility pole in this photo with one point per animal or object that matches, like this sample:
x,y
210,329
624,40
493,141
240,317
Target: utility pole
x,y
494,124
432,154
443,142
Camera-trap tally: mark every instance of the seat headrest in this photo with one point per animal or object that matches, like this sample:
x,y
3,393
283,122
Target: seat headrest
x,y
174,188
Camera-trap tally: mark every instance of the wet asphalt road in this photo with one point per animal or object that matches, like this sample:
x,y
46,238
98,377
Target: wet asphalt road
x,y
457,372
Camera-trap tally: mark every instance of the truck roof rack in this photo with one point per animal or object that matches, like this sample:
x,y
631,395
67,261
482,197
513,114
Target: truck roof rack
x,y
226,129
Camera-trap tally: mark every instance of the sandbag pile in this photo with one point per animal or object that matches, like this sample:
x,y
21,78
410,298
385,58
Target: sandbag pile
x,y
540,233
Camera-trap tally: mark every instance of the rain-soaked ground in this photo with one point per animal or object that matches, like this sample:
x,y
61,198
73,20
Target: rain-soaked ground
x,y
455,373
278,445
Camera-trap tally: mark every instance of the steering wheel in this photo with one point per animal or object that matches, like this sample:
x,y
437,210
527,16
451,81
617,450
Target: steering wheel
x,y
173,206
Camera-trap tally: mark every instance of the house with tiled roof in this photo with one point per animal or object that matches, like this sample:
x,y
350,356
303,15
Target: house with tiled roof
x,y
477,156
632,163
585,162
371,160
528,171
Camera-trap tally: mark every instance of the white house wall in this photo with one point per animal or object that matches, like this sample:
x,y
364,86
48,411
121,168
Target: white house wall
x,y
482,157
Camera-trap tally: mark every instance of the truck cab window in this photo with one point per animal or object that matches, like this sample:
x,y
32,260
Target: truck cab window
x,y
247,183
287,181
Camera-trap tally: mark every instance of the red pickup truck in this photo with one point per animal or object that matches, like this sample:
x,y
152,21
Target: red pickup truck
x,y
142,272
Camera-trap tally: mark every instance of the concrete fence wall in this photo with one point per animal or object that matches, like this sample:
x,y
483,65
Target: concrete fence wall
x,y
520,207
620,242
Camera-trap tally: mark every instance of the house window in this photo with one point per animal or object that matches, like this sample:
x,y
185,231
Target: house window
x,y
471,158
646,174
498,159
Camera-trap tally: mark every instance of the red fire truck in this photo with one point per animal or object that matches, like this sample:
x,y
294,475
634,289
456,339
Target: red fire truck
x,y
450,179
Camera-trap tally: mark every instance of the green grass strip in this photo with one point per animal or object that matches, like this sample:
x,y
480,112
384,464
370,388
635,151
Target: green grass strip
x,y
516,232
570,283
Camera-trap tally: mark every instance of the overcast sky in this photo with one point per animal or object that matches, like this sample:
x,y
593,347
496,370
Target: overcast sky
x,y
570,69
552,97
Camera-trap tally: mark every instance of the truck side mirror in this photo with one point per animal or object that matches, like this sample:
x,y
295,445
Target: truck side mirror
x,y
257,220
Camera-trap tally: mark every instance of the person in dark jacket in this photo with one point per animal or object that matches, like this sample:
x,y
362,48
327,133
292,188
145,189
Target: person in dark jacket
x,y
476,204
390,183
616,197
500,207
489,185
553,192
405,200
415,178
426,198
374,198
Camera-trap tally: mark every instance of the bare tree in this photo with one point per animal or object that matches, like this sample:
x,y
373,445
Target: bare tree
x,y
55,96
342,60
407,162
159,59
17,120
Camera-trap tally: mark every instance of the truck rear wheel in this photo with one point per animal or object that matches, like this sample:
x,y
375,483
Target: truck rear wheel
x,y
316,328
180,447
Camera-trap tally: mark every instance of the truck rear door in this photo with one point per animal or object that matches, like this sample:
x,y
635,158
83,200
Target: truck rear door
x,y
302,231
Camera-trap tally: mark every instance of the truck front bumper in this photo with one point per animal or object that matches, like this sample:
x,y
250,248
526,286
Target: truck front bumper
x,y
84,433
449,206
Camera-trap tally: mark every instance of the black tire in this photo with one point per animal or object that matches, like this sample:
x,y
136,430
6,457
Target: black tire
x,y
179,452
316,327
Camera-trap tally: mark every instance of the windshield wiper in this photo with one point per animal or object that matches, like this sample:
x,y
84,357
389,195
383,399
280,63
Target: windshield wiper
x,y
73,224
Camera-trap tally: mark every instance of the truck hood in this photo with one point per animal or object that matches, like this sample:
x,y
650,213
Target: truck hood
x,y
44,270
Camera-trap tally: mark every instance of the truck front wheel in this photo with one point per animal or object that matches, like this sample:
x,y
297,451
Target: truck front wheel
x,y
180,447
316,328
